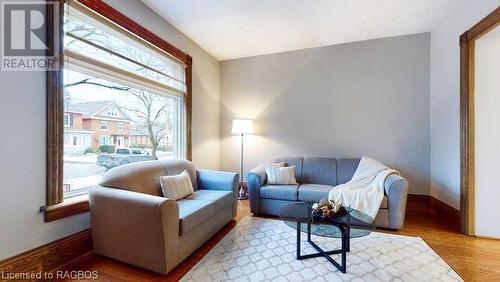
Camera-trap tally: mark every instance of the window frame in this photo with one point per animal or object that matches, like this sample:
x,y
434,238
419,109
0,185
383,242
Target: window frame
x,y
70,120
104,125
56,206
105,143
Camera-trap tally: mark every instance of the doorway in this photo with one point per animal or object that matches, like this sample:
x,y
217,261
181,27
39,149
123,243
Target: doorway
x,y
480,101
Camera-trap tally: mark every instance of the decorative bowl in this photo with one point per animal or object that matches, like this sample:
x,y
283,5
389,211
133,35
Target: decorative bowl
x,y
326,209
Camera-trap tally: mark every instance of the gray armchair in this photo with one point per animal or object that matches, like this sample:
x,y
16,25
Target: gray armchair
x,y
133,223
316,176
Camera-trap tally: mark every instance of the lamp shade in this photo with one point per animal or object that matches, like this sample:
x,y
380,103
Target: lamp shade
x,y
242,126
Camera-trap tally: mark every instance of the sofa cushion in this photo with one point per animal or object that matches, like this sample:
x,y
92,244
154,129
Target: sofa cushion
x,y
280,175
292,161
346,169
313,192
192,213
319,171
176,166
220,199
279,192
176,186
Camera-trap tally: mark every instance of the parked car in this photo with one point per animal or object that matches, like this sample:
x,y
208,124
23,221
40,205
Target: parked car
x,y
123,156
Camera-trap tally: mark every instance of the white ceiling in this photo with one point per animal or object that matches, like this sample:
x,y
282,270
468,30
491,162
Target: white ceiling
x,y
240,28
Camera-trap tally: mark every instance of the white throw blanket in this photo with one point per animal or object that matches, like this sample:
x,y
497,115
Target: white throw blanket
x,y
365,191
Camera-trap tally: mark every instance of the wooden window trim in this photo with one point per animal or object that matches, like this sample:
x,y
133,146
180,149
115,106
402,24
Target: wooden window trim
x,y
467,97
56,207
72,206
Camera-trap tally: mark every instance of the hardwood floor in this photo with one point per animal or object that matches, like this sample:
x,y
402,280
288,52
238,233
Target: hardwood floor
x,y
474,259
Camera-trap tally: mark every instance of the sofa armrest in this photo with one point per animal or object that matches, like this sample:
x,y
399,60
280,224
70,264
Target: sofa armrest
x,y
217,180
396,190
256,178
136,228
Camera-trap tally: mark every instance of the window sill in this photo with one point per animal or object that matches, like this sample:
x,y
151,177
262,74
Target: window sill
x,y
67,208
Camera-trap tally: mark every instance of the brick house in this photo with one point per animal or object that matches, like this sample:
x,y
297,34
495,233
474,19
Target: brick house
x,y
96,124
76,138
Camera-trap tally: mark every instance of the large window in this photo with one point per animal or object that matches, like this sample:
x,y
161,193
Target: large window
x,y
110,78
125,96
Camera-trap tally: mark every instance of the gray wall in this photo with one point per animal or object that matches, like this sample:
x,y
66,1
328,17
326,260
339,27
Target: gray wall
x,y
22,120
364,98
445,97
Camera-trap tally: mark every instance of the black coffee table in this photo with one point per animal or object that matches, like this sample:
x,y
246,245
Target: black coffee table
x,y
352,225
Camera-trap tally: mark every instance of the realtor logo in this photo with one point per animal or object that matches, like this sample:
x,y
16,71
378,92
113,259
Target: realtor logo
x,y
24,38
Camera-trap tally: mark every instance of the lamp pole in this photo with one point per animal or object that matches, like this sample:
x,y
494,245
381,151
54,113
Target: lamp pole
x,y
241,127
241,193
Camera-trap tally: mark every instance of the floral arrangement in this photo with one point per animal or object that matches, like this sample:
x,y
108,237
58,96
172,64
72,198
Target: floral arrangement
x,y
328,209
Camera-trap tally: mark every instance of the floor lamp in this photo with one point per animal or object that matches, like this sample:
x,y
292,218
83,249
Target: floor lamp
x,y
242,127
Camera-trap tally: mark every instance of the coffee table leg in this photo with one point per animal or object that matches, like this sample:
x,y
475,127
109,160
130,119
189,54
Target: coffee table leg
x,y
345,244
348,231
308,232
298,240
326,254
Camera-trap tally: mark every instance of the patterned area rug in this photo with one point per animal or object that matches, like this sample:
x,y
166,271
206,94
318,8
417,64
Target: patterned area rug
x,y
259,249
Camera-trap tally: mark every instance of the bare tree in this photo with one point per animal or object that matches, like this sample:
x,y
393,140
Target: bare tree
x,y
156,116
154,111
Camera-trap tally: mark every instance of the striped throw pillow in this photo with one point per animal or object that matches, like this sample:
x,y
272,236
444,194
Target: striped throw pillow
x,y
277,175
176,186
281,164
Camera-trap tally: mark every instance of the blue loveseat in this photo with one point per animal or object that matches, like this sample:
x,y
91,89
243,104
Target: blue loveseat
x,y
315,178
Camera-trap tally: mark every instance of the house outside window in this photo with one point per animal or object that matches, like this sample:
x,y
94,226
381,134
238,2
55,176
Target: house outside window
x,y
120,126
104,125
